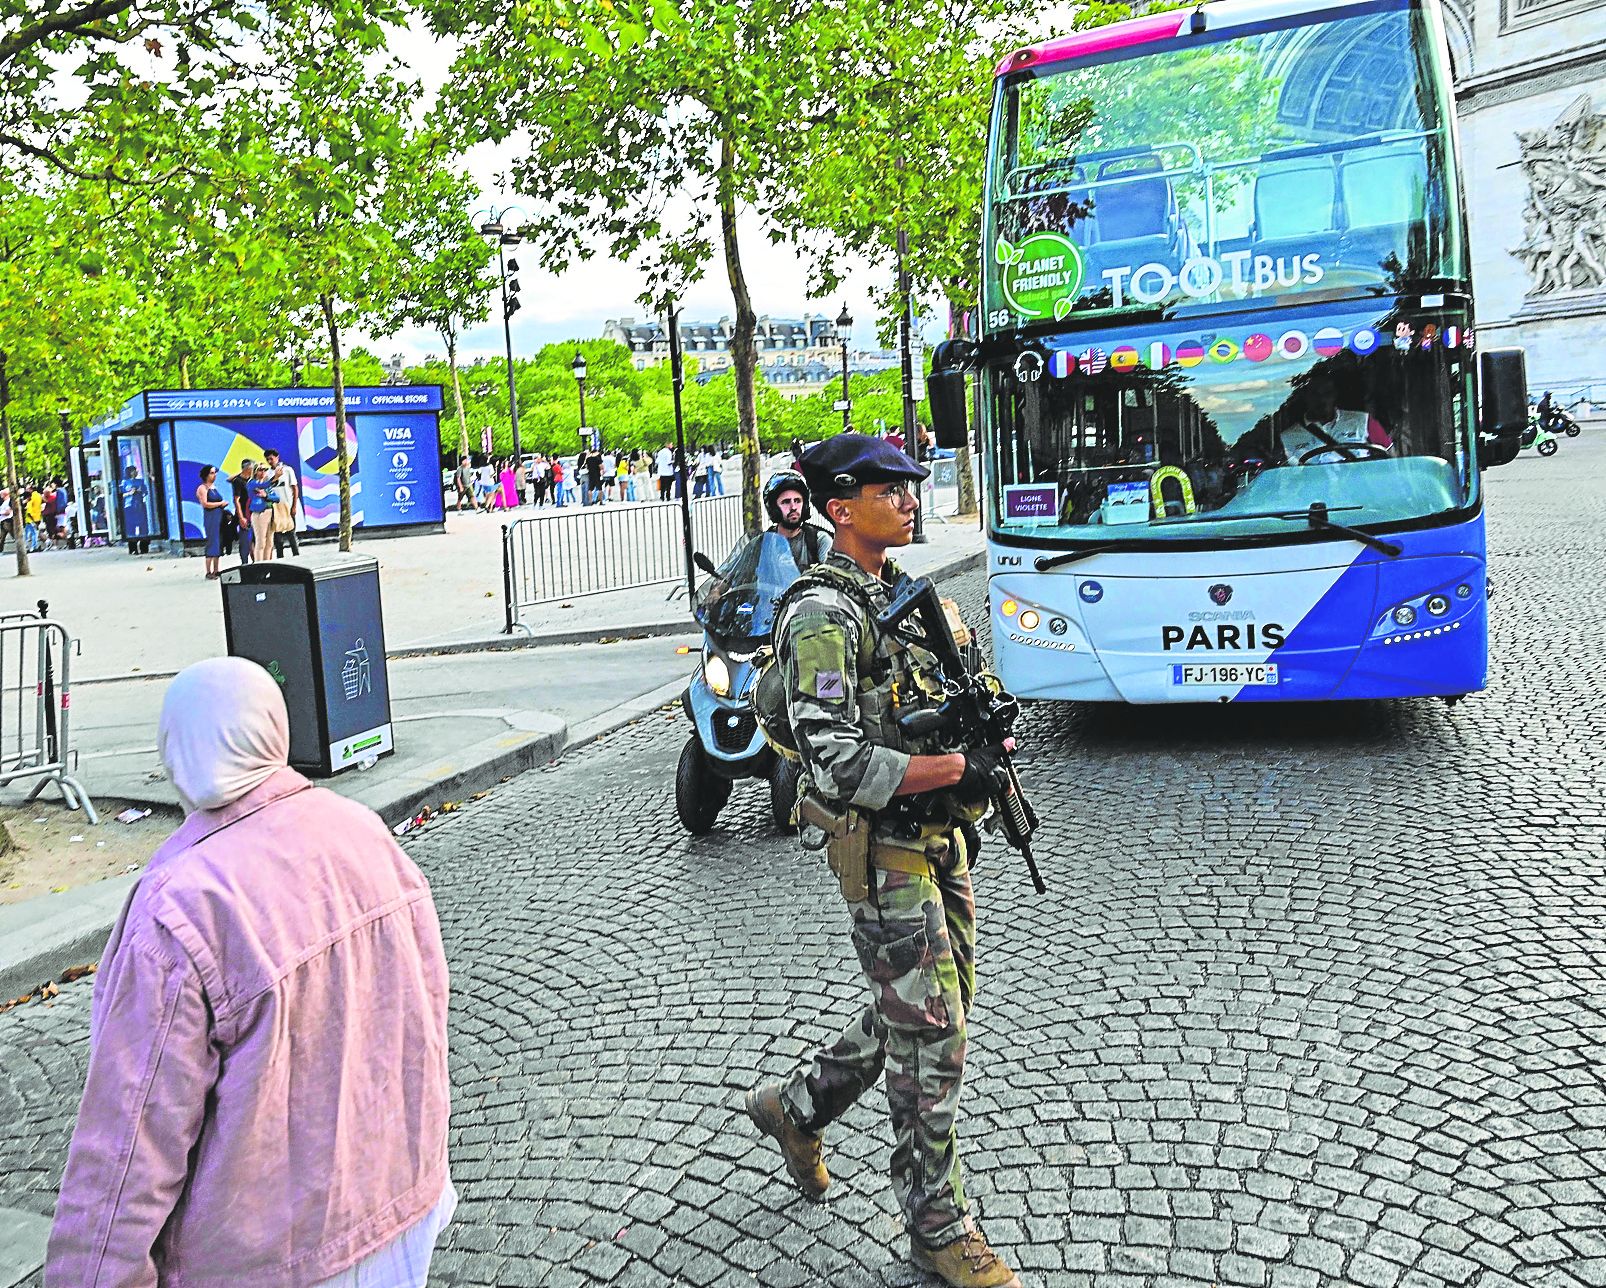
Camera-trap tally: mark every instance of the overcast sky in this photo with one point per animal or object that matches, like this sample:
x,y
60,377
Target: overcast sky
x,y
575,305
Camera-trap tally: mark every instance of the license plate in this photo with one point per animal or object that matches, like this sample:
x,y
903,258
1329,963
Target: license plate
x,y
1224,673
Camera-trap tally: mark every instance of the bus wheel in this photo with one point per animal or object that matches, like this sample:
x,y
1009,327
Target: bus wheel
x,y
700,793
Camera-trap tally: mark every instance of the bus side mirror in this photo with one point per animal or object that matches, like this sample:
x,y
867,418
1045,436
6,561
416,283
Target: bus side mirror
x,y
1503,405
946,386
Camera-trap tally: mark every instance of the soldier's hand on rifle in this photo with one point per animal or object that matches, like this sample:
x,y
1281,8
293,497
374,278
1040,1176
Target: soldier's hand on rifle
x,y
984,770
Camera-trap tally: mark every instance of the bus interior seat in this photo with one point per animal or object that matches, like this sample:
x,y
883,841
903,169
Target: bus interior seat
x,y
1137,219
1296,205
1383,190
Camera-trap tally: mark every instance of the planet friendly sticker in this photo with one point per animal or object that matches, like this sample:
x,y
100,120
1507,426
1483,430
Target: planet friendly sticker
x,y
1042,275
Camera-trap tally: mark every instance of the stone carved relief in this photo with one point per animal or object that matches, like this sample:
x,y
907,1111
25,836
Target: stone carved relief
x,y
1565,219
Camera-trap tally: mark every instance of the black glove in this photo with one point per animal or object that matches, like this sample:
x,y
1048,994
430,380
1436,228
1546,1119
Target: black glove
x,y
984,773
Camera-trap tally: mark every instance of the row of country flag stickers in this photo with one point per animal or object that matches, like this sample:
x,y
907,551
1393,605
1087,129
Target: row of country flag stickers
x,y
1258,347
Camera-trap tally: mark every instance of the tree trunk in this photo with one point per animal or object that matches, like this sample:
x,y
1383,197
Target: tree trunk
x,y
12,485
744,352
342,454
450,337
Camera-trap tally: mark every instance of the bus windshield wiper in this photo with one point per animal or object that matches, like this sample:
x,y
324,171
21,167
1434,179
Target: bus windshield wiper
x,y
1044,562
1316,516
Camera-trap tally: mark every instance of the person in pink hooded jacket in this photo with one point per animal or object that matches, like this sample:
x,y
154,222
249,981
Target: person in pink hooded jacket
x,y
267,1098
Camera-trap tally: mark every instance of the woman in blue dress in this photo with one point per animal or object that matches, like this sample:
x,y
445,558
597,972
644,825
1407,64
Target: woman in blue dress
x,y
212,506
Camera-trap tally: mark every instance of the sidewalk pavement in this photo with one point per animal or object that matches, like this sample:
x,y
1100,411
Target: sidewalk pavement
x,y
155,614
22,1245
464,722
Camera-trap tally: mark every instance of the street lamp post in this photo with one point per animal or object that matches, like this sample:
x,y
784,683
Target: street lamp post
x,y
70,474
844,329
502,237
911,431
578,366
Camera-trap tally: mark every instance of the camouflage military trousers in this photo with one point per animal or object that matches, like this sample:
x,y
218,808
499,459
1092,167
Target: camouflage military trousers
x,y
916,942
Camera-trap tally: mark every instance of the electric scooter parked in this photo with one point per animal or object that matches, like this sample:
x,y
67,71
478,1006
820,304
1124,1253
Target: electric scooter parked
x,y
736,609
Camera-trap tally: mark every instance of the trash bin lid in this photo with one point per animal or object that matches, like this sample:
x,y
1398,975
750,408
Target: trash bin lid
x,y
303,572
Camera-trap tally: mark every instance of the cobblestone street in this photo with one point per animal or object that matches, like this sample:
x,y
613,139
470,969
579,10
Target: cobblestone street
x,y
1317,995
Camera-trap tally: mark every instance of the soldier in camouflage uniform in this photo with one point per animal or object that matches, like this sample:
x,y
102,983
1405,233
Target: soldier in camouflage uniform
x,y
914,923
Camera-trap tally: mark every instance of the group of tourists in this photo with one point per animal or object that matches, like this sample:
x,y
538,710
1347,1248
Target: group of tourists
x,y
594,477
44,507
260,516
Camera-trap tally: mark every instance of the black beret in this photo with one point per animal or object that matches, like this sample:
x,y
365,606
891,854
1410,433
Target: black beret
x,y
844,462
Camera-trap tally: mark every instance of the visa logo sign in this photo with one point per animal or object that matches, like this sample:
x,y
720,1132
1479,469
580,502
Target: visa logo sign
x,y
400,434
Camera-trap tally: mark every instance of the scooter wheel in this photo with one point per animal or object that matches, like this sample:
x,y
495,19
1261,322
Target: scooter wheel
x,y
1573,431
783,792
1548,447
700,793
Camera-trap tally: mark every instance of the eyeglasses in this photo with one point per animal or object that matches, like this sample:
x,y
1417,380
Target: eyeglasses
x,y
897,494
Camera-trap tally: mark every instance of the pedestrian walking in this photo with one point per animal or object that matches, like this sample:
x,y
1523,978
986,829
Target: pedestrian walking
x,y
7,519
593,477
263,499
33,515
267,1097
559,481
666,471
213,508
241,486
287,509
484,485
717,477
521,483
463,483
507,495
892,812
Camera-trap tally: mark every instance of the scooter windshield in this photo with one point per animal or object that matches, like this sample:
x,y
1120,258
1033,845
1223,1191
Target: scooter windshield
x,y
738,602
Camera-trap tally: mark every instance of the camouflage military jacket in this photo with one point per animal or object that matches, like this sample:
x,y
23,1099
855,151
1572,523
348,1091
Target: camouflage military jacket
x,y
846,683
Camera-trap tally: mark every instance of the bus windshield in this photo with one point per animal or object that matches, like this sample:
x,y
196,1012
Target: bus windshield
x,y
1155,432
1308,160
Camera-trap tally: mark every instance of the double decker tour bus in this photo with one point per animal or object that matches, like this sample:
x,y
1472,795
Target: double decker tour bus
x,y
1226,392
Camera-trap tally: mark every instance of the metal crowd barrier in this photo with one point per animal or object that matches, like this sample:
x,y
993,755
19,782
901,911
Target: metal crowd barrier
x,y
35,705
608,547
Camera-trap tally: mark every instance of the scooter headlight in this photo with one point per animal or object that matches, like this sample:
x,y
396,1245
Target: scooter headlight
x,y
717,674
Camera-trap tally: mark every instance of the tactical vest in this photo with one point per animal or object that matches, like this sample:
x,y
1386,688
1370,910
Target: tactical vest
x,y
895,675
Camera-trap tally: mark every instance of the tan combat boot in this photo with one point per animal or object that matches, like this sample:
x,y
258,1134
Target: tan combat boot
x,y
800,1151
967,1262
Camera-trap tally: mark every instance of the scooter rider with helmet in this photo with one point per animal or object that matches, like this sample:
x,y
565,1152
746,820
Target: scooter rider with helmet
x,y
786,501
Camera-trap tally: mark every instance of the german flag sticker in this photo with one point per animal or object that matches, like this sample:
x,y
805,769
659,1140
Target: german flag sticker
x,y
1190,353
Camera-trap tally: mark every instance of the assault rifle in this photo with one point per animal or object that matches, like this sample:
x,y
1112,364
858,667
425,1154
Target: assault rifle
x,y
975,710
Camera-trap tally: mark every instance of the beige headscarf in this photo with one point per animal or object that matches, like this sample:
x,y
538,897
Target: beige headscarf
x,y
223,731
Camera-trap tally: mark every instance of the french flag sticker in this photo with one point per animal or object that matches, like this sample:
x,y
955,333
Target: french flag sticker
x,y
1061,364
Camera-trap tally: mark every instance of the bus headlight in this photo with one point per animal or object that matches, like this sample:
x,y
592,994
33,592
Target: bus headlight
x,y
1028,620
1008,607
1404,615
1437,605
717,675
